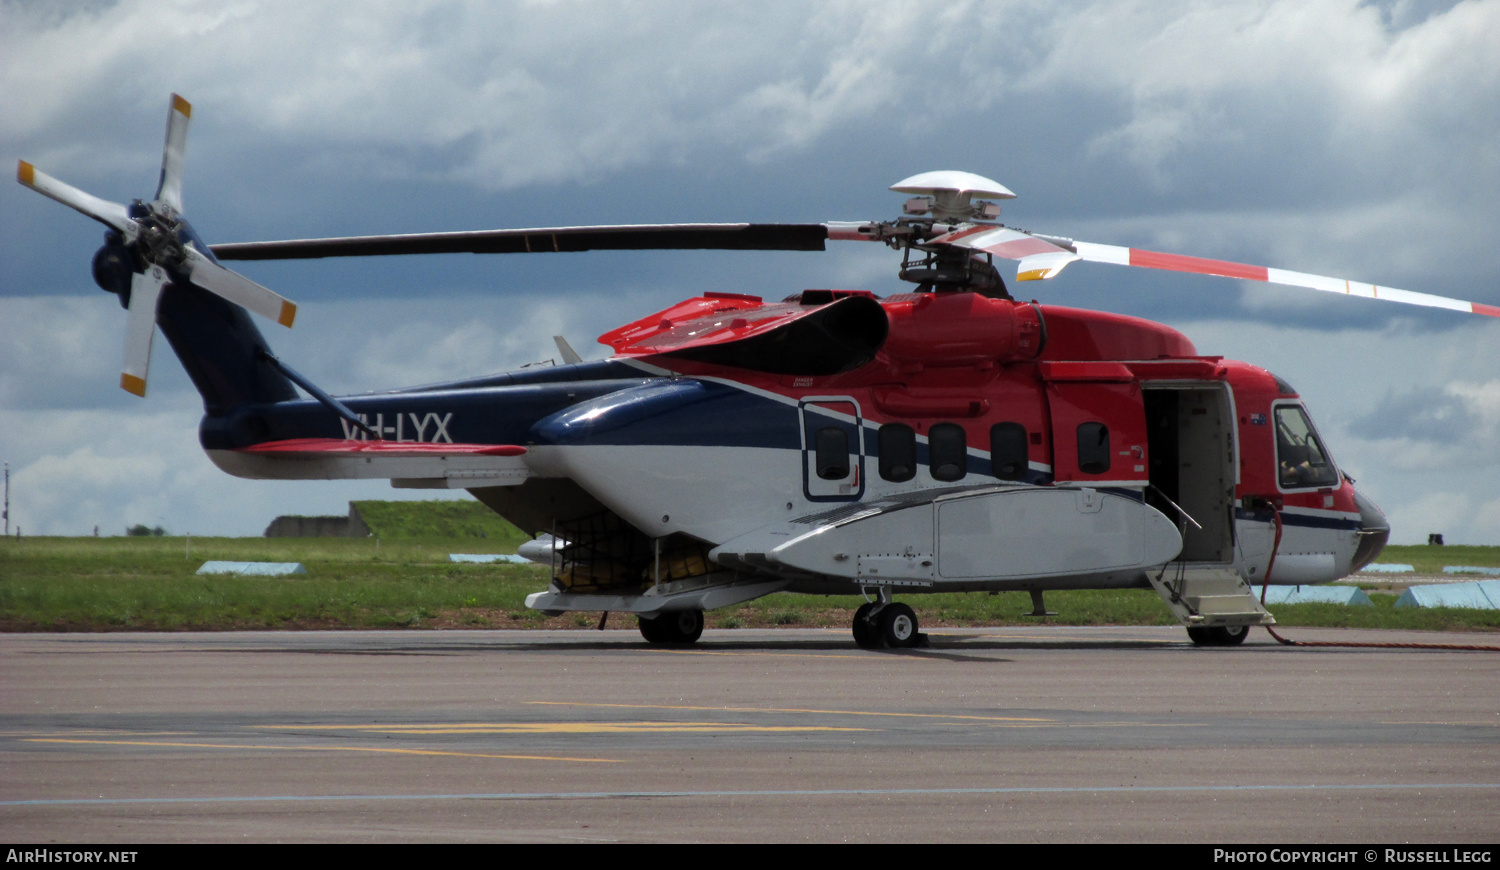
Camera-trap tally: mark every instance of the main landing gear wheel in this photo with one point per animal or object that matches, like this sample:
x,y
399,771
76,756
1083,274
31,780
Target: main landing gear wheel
x,y
877,626
1219,635
680,627
898,626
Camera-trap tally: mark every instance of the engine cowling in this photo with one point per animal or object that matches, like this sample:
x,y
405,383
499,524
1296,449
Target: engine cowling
x,y
955,329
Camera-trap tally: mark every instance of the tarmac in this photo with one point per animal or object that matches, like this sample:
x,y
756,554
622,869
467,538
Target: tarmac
x,y
1031,734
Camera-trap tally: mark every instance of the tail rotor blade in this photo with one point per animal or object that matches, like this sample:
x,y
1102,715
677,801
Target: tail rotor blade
x,y
238,289
140,326
169,190
110,213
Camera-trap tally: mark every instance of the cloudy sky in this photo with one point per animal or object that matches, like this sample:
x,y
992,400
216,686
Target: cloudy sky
x,y
1350,139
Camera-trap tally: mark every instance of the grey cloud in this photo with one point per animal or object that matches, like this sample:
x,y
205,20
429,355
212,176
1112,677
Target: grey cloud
x,y
1420,415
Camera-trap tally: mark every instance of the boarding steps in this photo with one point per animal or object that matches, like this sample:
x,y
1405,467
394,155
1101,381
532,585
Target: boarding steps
x,y
1204,596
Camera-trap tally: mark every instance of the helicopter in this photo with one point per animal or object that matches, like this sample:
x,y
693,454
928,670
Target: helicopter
x,y
951,438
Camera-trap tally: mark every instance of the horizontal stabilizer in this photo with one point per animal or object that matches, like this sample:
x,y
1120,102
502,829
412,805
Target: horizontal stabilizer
x,y
324,446
407,464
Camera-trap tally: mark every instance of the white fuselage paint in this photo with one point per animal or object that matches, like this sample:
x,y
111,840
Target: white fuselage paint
x,y
709,493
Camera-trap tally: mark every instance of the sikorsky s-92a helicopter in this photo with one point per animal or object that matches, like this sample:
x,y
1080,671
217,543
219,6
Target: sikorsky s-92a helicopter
x,y
948,439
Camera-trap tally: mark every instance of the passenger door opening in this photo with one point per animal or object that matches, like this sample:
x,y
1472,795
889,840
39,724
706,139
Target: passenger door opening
x,y
1190,439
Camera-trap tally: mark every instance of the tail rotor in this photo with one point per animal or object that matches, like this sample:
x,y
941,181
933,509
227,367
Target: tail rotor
x,y
159,249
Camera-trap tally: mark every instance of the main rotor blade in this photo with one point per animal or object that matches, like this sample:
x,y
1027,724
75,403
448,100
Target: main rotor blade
x,y
238,289
140,326
110,213
1012,245
1123,256
637,237
169,189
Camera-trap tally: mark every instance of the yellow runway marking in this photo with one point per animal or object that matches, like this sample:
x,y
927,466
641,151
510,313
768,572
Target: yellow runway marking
x,y
1489,724
1110,725
565,728
176,745
78,732
792,710
704,652
1047,637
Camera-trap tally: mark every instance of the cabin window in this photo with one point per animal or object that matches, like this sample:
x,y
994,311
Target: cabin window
x,y
1300,458
947,451
1009,456
1093,448
832,453
898,452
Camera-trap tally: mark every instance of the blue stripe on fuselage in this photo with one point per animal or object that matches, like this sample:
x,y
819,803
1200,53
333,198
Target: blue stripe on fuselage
x,y
490,415
687,412
602,403
1306,521
676,412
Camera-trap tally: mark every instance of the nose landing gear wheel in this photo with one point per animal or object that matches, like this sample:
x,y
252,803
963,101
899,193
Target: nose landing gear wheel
x,y
1219,635
681,627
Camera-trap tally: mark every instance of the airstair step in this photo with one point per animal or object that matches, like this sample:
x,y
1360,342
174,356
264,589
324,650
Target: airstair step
x,y
1211,596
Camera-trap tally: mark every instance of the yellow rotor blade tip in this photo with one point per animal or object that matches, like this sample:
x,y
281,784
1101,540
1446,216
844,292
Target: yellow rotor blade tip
x,y
26,173
133,384
288,314
182,106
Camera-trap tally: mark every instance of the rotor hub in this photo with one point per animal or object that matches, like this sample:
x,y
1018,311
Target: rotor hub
x,y
159,237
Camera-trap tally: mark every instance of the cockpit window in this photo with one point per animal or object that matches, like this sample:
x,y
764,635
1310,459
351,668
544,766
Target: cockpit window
x,y
1300,457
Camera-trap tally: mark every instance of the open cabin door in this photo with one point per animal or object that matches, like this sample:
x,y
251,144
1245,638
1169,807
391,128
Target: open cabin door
x,y
1194,463
833,452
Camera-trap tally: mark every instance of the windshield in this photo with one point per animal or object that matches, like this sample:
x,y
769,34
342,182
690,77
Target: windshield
x,y
1299,454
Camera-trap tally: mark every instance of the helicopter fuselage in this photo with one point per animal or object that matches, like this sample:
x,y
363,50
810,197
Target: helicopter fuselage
x,y
835,442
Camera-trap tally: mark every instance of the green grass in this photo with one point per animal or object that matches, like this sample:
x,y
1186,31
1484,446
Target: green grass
x,y
1430,560
114,584
149,583
391,520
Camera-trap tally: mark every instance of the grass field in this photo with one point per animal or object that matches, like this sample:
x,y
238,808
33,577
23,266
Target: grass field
x,y
415,520
1430,560
406,581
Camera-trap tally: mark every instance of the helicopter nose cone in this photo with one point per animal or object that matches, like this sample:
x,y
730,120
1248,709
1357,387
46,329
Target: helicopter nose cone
x,y
1374,531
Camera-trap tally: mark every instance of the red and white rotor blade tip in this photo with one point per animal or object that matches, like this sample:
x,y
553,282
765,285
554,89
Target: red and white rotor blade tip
x,y
102,210
1039,258
169,190
1123,256
238,289
140,326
